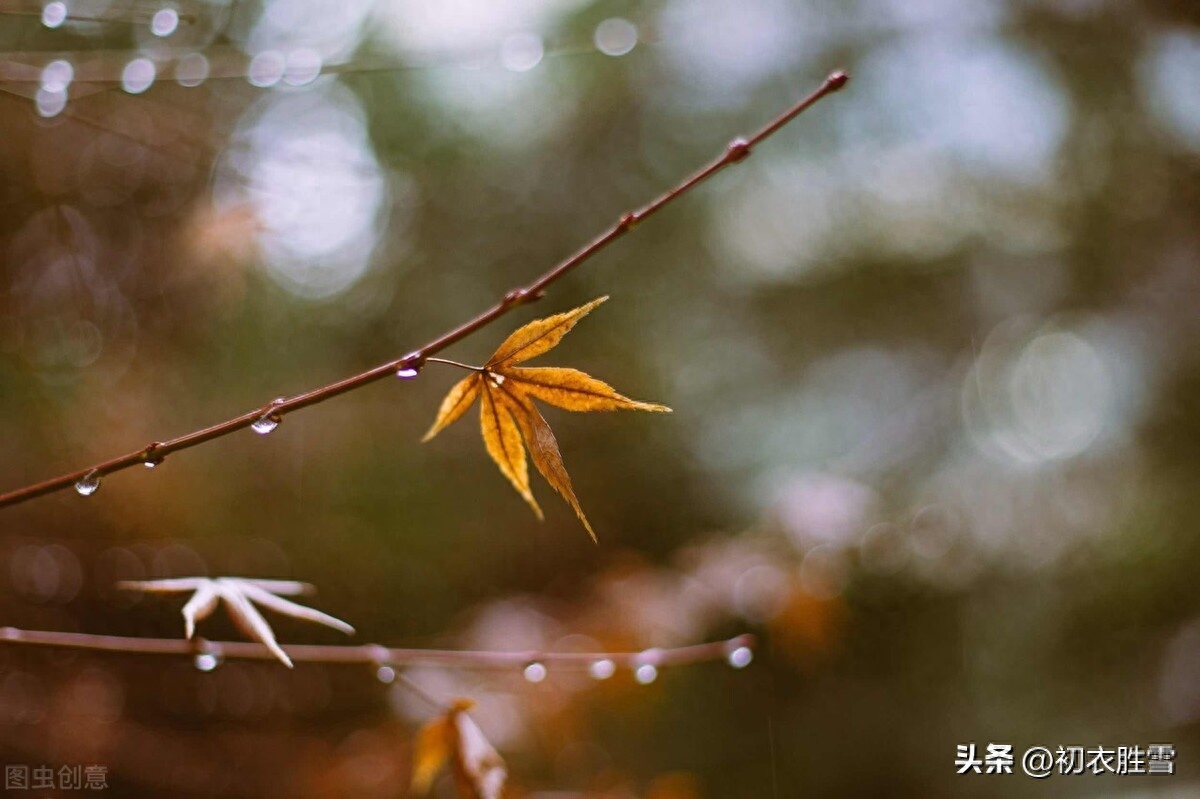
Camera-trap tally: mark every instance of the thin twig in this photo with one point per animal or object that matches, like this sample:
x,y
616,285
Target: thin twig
x,y
374,654
737,150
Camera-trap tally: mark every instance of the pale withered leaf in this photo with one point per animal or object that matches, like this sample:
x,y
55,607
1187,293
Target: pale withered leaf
x,y
239,595
455,739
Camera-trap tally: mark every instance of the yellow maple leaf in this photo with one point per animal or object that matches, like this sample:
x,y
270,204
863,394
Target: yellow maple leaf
x,y
509,420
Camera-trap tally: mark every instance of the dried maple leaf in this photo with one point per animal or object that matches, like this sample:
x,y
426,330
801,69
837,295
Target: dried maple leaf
x,y
240,595
509,419
455,739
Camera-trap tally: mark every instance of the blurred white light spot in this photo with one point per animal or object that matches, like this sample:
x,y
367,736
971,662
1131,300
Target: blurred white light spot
x,y
303,67
824,508
50,104
138,75
192,70
1169,77
54,14
1044,397
535,672
930,88
305,164
266,69
206,661
57,75
464,26
164,22
616,36
521,52
823,572
723,46
385,674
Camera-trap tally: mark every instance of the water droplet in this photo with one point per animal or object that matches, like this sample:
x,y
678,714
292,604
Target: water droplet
x,y
191,70
164,22
535,672
602,669
616,36
740,658
57,75
50,104
266,423
54,14
88,484
408,372
138,75
497,379
206,661
266,69
645,674
385,674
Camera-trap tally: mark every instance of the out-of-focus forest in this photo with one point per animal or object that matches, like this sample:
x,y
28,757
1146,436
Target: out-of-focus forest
x,y
932,350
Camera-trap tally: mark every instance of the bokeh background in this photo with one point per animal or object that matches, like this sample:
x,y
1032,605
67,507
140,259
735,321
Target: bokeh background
x,y
932,352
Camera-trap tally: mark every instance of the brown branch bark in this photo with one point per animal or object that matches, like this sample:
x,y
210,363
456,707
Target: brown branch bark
x,y
374,654
737,150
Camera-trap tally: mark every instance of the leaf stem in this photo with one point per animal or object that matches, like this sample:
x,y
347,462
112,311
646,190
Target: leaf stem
x,y
735,152
449,362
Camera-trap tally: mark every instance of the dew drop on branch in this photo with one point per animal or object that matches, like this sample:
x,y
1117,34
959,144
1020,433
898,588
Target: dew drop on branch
x,y
206,661
265,423
88,484
407,372
646,674
740,658
385,674
535,672
602,669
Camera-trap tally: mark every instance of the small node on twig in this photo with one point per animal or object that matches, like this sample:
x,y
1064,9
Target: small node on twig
x,y
151,458
409,367
629,221
837,80
738,149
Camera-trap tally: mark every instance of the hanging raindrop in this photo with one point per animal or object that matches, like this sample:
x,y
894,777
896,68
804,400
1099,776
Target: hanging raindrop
x,y
740,658
206,661
646,674
385,674
266,423
54,14
535,672
602,669
88,484
407,372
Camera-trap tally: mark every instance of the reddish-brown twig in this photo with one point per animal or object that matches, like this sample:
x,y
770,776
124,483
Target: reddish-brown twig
x,y
737,150
736,650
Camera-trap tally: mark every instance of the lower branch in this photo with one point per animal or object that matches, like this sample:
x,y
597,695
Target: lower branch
x,y
736,650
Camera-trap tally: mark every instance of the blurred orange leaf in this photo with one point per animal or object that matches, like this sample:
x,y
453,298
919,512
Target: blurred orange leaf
x,y
509,419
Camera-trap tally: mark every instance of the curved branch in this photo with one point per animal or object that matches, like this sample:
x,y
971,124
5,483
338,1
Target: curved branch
x,y
411,363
